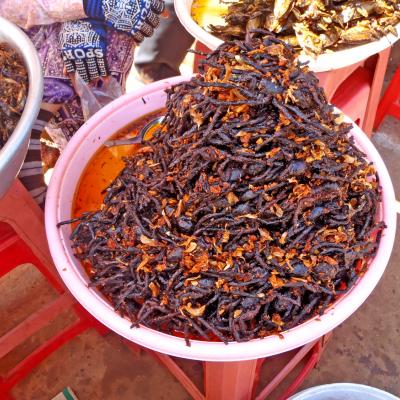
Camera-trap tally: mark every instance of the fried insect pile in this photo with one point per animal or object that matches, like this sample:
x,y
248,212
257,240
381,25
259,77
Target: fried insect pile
x,y
313,26
13,91
249,212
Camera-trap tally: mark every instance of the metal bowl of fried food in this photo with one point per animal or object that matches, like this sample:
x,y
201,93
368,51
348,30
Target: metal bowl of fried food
x,y
366,38
13,152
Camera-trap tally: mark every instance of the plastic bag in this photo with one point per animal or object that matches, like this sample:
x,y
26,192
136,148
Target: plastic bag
x,y
94,97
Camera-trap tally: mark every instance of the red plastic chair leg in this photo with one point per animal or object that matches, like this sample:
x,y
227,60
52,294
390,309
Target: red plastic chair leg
x,y
238,380
19,210
280,377
312,361
178,373
33,323
379,70
357,94
391,95
35,358
394,109
172,367
230,380
14,252
4,396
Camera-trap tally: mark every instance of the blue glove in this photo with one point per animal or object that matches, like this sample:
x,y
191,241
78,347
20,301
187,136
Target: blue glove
x,y
135,17
83,46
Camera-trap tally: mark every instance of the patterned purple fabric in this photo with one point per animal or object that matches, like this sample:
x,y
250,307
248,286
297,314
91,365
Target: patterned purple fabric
x,y
57,91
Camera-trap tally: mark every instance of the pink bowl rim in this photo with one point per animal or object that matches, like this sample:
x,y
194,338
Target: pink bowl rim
x,y
202,350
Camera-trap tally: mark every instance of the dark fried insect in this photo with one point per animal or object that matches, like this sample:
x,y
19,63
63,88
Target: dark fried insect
x,y
246,214
13,91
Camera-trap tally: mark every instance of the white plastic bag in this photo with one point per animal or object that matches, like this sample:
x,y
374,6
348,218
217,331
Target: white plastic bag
x,y
96,96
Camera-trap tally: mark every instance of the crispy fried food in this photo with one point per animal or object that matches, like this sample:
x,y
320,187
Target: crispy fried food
x,y
313,27
13,91
249,212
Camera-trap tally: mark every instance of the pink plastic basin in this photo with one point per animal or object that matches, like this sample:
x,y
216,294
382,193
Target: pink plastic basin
x,y
58,208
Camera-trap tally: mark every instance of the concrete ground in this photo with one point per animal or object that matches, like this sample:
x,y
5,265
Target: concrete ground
x,y
365,349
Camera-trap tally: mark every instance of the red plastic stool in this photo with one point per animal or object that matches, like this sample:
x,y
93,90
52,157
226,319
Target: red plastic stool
x,y
358,94
390,102
239,380
23,240
377,65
